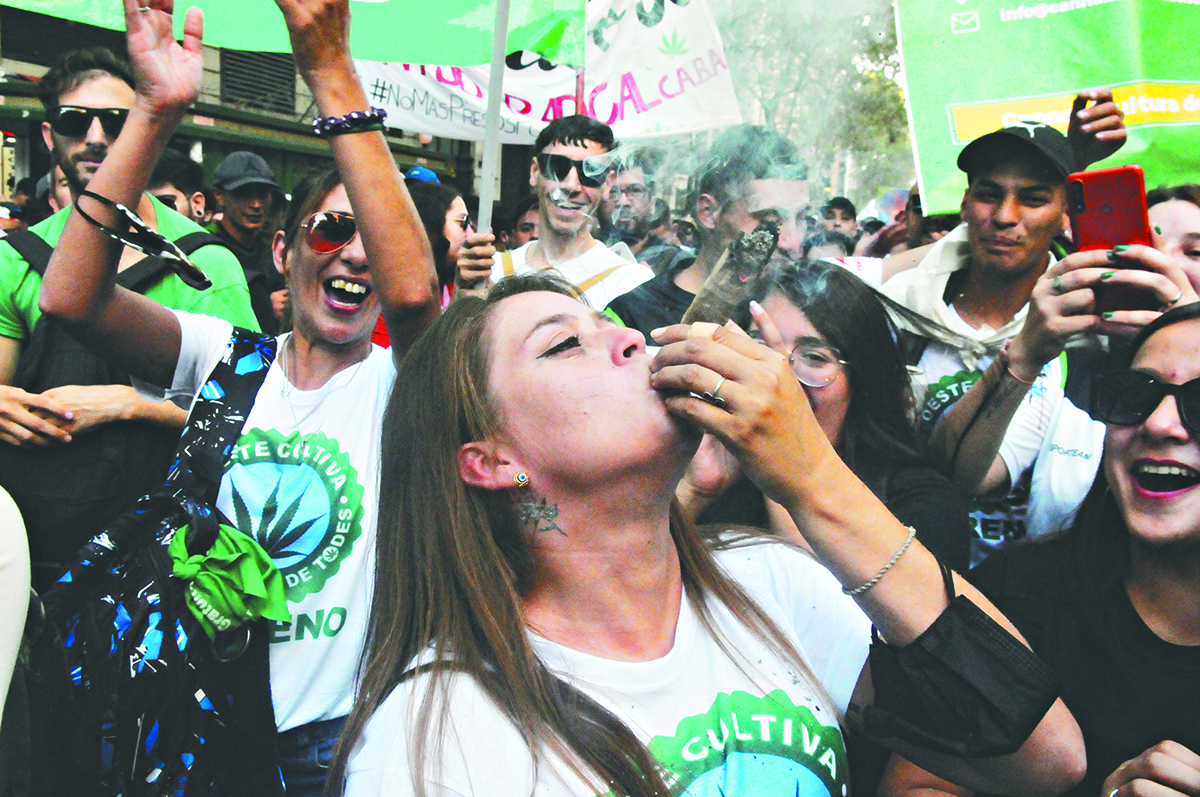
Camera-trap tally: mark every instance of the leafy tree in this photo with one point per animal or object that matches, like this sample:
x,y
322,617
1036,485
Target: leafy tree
x,y
824,74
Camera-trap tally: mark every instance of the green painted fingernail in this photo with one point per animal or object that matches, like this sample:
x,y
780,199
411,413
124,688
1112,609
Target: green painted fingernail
x,y
1107,315
1107,274
1121,248
1158,229
1111,255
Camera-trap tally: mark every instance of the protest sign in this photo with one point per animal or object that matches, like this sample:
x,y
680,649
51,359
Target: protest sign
x,y
418,31
652,68
972,66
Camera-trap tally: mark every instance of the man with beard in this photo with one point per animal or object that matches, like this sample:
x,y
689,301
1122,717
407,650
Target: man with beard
x,y
46,412
571,166
629,211
752,175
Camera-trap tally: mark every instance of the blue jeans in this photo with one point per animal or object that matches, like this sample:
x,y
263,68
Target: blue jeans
x,y
304,755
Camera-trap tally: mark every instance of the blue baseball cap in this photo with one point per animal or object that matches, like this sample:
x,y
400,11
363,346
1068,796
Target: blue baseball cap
x,y
422,174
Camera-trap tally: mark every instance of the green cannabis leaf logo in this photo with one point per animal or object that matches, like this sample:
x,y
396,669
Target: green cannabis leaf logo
x,y
675,45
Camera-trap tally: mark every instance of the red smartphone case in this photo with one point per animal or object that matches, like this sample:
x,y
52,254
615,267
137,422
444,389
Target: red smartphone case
x,y
1107,208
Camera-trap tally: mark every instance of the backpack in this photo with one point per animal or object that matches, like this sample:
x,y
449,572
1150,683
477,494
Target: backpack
x,y
66,493
159,708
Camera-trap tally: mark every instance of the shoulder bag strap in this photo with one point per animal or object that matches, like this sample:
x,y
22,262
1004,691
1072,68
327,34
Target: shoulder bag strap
x,y
218,415
587,283
32,248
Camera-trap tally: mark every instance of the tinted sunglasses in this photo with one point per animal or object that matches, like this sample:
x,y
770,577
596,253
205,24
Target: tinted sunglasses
x,y
1128,398
328,231
463,221
592,172
73,122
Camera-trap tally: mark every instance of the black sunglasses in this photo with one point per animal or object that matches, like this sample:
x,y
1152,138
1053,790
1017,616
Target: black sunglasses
x,y
592,172
1128,398
328,231
73,121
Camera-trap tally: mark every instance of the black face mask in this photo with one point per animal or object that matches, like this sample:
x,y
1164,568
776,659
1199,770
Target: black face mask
x,y
965,687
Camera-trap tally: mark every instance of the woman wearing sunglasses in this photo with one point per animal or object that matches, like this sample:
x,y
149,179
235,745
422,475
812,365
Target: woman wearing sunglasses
x,y
447,223
1113,604
302,478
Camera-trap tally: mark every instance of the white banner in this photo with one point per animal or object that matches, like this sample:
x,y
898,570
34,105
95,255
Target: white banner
x,y
654,67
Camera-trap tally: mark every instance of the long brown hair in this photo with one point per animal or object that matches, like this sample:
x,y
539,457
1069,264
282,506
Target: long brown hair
x,y
453,564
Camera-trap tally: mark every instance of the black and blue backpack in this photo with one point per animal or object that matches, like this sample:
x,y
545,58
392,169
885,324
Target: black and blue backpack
x,y
155,707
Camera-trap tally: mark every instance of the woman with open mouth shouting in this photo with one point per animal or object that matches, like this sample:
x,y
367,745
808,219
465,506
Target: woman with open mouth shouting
x,y
302,477
1113,604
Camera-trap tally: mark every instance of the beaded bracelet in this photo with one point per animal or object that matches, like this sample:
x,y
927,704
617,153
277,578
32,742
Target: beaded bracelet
x,y
353,122
873,580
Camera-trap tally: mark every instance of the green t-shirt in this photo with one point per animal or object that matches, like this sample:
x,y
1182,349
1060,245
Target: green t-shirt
x,y
228,298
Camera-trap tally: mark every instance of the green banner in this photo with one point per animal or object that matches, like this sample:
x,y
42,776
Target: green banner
x,y
973,66
444,32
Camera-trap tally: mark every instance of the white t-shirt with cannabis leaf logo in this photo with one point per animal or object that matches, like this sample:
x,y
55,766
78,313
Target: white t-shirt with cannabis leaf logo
x,y
302,480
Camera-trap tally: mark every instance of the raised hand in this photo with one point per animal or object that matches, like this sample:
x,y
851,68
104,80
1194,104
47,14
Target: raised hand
x,y
167,72
320,34
1097,130
475,260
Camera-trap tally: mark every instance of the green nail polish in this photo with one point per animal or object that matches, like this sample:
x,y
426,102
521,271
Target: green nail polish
x,y
1111,255
1107,275
1121,248
1107,315
1158,230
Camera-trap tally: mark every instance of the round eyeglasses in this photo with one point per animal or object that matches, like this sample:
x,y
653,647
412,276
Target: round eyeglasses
x,y
815,365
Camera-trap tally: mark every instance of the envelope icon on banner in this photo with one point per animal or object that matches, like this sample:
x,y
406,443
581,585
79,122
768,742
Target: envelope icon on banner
x,y
964,22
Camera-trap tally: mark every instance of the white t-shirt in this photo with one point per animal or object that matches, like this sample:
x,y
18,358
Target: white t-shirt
x,y
619,274
303,480
1060,443
717,725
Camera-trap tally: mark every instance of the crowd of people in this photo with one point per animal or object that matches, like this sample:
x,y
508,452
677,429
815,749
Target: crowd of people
x,y
913,514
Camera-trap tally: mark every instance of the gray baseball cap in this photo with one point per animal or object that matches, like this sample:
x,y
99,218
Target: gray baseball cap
x,y
243,168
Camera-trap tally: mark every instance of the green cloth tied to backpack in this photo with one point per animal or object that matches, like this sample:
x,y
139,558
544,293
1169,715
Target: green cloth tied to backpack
x,y
235,582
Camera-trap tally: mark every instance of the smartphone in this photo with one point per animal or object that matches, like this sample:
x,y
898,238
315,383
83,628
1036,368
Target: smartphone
x,y
1107,208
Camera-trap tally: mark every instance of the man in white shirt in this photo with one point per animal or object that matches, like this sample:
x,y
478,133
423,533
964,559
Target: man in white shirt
x,y
976,282
572,165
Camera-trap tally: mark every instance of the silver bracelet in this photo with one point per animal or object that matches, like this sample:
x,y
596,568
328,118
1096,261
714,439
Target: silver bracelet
x,y
873,580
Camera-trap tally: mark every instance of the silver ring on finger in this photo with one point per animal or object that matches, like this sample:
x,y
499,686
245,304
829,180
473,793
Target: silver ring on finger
x,y
1057,286
713,396
1174,301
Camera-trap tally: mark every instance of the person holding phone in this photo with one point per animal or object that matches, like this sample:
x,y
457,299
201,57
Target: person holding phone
x,y
977,280
1004,425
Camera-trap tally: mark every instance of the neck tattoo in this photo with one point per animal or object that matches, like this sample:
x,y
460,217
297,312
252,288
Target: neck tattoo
x,y
541,515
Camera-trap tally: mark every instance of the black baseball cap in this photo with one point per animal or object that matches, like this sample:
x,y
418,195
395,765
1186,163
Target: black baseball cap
x,y
1043,139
